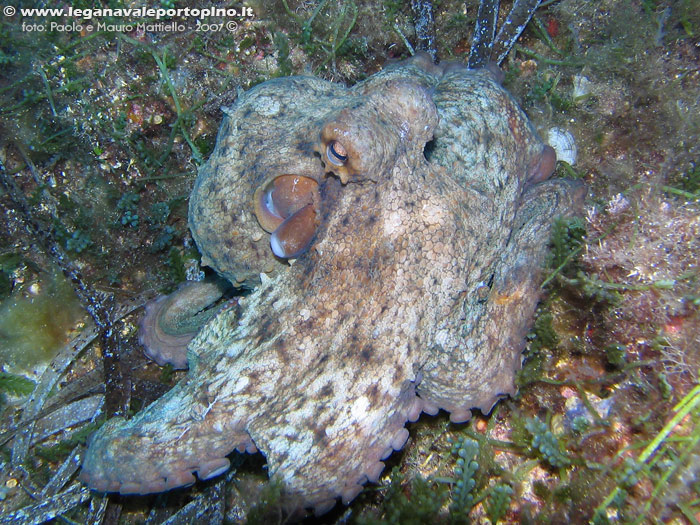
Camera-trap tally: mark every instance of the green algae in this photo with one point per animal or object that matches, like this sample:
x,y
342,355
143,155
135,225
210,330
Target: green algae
x,y
61,449
36,324
546,444
15,385
411,502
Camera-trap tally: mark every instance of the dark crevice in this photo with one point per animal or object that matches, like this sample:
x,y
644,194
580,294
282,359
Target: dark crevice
x,y
428,149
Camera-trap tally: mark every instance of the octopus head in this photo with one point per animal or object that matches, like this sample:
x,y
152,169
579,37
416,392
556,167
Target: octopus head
x,y
358,143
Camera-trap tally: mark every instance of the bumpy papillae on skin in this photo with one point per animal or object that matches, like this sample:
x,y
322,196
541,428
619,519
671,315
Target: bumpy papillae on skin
x,y
415,295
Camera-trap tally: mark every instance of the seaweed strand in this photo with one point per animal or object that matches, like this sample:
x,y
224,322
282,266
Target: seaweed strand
x,y
425,26
484,32
513,26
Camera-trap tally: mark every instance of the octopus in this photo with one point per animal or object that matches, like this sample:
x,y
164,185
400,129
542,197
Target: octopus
x,y
393,236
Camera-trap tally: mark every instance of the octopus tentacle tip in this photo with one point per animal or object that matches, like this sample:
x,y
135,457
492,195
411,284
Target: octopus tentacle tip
x,y
325,506
375,470
277,247
179,479
287,208
349,493
460,415
213,468
290,193
170,322
544,165
430,408
399,440
423,61
161,347
155,486
488,405
264,208
246,446
415,410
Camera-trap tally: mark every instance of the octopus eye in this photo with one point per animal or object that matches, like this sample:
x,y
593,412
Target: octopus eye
x,y
336,153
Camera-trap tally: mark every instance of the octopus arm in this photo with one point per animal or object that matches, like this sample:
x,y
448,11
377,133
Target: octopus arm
x,y
324,450
482,369
165,444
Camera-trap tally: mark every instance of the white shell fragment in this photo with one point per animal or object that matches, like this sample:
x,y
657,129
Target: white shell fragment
x,y
563,143
582,87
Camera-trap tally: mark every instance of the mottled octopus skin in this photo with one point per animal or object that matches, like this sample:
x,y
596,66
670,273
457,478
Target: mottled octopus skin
x,y
415,295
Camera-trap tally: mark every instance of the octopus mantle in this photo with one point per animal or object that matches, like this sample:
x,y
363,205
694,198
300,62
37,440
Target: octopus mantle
x,y
418,247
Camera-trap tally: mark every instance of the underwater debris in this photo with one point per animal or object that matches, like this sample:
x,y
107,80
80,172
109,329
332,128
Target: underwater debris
x,y
582,87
